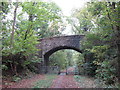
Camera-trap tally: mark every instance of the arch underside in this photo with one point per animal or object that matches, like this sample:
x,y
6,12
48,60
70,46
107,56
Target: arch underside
x,y
50,52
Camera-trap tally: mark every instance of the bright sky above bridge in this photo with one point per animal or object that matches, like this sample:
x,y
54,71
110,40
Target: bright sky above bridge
x,y
68,5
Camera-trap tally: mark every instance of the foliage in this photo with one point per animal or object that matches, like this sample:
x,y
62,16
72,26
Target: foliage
x,y
99,22
4,67
31,22
59,59
89,69
79,60
45,17
16,78
100,53
33,60
84,80
106,73
62,58
85,64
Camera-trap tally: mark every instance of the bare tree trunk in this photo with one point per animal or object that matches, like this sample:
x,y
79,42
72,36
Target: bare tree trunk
x,y
13,26
15,69
12,38
11,67
31,17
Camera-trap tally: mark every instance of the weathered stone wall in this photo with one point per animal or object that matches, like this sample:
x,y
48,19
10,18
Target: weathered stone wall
x,y
61,42
48,46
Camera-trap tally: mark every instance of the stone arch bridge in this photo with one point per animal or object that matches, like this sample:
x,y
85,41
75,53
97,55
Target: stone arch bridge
x,y
50,45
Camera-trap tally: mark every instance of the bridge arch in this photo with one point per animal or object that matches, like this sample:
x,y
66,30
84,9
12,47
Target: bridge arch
x,y
48,46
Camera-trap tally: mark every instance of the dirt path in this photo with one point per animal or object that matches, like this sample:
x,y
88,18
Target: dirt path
x,y
68,81
64,81
26,83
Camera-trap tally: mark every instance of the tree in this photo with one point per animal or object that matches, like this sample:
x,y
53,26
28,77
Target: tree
x,y
59,59
28,26
13,26
99,21
62,58
46,16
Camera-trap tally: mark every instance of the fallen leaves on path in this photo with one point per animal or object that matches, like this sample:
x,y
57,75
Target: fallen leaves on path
x,y
27,83
85,81
64,81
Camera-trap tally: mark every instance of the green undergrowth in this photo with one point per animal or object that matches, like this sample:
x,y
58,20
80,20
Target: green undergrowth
x,y
46,83
79,78
101,84
85,81
98,84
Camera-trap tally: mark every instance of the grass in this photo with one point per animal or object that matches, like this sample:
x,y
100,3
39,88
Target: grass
x,y
46,83
79,78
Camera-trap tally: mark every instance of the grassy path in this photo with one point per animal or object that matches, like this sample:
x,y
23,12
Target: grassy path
x,y
45,83
64,81
55,81
37,81
27,83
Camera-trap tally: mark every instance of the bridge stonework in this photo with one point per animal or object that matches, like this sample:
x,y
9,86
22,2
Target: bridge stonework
x,y
50,45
